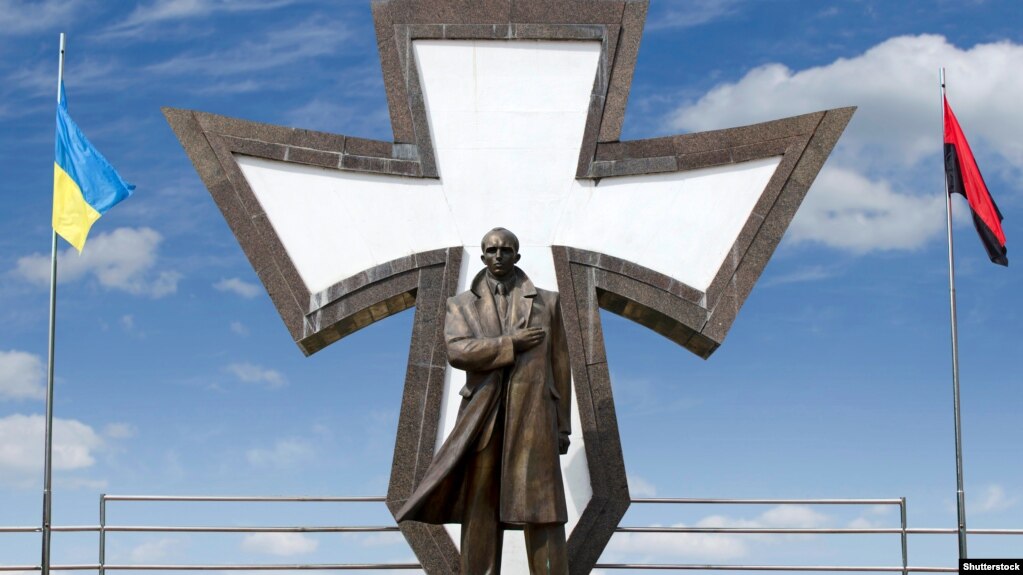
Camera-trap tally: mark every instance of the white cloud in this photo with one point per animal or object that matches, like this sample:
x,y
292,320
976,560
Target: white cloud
x,y
880,509
25,17
874,512
238,328
238,286
650,547
124,260
790,516
993,498
280,544
153,551
639,487
691,13
144,17
81,483
847,210
882,189
863,523
803,274
119,431
276,49
37,80
21,376
285,453
252,373
796,516
715,547
22,440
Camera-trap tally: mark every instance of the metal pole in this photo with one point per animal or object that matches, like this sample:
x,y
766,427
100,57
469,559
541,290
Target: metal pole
x,y
960,495
905,542
48,457
102,533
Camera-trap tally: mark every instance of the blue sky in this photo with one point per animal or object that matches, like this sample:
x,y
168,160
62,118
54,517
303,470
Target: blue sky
x,y
176,376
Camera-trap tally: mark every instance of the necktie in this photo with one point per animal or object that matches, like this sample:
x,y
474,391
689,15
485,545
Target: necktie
x,y
502,301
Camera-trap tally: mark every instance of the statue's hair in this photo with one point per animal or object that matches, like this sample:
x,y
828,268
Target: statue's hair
x,y
514,238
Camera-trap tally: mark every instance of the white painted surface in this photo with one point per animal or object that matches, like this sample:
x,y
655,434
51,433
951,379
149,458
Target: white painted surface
x,y
680,224
337,224
507,121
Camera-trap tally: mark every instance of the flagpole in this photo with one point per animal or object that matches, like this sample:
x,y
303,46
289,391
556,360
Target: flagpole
x,y
960,495
48,458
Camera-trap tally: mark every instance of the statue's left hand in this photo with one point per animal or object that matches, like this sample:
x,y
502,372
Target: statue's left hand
x,y
563,443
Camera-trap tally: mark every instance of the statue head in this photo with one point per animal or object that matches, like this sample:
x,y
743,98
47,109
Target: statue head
x,y
500,252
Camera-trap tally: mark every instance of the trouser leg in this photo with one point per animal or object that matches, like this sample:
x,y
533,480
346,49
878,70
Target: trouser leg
x,y
545,545
482,536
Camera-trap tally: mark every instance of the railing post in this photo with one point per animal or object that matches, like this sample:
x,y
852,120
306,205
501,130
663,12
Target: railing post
x,y
102,533
905,540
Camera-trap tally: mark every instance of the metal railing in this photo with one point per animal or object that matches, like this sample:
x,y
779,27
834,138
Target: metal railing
x,y
903,531
104,529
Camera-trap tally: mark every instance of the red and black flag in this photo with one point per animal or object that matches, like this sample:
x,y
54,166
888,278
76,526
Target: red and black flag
x,y
964,178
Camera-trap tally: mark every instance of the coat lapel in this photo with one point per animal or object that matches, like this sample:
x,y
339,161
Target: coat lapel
x,y
484,307
521,307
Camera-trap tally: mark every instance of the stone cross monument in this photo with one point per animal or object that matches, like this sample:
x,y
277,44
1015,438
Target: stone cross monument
x,y
516,104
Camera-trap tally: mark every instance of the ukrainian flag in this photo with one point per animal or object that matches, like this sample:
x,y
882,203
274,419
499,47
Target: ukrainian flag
x,y
85,185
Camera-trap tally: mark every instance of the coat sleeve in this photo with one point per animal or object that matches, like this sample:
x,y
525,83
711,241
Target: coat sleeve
x,y
470,353
562,370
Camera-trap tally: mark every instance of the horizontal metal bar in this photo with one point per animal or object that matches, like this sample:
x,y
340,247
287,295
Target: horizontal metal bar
x,y
381,499
770,501
193,529
779,530
368,499
391,529
324,567
66,528
818,530
52,568
950,530
672,567
74,528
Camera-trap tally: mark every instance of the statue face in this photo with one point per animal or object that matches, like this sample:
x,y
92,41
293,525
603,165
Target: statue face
x,y
500,254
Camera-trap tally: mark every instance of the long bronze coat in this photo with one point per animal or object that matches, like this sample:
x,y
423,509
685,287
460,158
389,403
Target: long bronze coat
x,y
534,388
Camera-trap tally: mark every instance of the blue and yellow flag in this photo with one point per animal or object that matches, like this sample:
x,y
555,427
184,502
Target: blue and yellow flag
x,y
85,185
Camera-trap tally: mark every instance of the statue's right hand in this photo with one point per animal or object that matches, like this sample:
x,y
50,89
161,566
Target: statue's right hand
x,y
528,338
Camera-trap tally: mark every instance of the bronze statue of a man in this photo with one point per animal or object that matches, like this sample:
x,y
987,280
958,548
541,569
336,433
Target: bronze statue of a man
x,y
499,469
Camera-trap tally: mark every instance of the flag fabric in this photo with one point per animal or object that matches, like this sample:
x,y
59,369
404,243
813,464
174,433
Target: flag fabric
x,y
85,185
964,178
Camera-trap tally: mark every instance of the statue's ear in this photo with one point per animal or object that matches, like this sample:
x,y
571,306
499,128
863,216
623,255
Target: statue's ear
x,y
517,258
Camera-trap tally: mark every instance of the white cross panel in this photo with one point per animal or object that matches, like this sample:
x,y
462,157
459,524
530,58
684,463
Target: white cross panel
x,y
507,120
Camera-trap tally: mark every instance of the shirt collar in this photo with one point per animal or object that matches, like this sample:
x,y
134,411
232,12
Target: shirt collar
x,y
493,282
